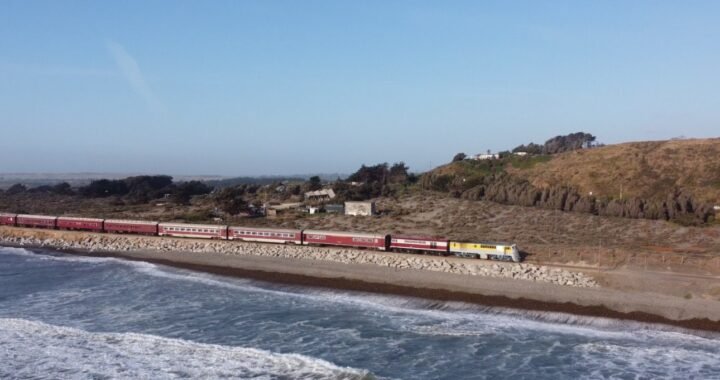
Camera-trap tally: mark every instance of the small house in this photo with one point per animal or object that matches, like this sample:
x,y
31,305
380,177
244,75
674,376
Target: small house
x,y
320,195
479,157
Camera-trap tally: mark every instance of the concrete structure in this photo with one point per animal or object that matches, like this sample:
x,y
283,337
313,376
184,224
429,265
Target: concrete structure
x,y
320,195
334,209
284,206
360,208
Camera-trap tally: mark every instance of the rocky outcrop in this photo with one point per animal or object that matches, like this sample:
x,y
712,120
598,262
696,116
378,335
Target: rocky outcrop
x,y
678,206
121,243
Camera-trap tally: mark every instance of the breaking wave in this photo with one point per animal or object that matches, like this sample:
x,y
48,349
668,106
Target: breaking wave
x,y
31,349
493,317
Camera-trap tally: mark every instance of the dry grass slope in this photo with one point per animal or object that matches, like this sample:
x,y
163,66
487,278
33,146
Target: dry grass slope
x,y
648,170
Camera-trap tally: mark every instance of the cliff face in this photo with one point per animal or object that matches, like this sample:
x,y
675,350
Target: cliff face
x,y
670,180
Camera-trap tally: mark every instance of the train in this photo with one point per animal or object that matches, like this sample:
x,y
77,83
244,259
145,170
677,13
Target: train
x,y
374,241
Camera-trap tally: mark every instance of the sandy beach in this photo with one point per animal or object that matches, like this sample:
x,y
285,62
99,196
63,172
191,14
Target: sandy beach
x,y
623,295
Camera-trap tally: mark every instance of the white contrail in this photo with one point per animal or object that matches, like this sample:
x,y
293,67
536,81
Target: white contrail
x,y
131,71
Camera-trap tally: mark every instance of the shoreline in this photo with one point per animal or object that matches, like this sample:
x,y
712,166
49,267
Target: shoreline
x,y
315,275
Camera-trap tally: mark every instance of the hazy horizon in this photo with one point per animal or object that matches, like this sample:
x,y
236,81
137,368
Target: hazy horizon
x,y
271,88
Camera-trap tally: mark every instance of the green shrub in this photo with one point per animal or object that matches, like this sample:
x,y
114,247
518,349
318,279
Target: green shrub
x,y
528,162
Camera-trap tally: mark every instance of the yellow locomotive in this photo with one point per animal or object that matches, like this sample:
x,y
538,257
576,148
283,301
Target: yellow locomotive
x,y
488,251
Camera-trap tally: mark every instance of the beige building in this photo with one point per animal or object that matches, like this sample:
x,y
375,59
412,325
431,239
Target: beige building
x,y
360,208
320,195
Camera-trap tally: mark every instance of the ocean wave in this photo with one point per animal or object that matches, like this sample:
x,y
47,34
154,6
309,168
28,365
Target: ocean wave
x,y
45,255
40,350
652,362
471,319
463,316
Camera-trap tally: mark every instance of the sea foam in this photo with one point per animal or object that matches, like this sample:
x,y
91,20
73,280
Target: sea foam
x,y
36,349
494,319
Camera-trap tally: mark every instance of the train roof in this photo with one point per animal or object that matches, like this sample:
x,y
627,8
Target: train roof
x,y
126,221
80,219
483,242
264,229
192,225
37,216
7,214
417,237
343,233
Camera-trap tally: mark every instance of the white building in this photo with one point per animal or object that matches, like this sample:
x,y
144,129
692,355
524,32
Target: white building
x,y
482,156
360,208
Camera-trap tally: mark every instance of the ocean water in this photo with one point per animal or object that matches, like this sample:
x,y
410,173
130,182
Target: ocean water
x,y
65,316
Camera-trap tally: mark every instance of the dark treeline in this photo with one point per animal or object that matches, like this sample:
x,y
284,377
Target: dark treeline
x,y
134,190
559,144
374,181
262,180
142,189
61,189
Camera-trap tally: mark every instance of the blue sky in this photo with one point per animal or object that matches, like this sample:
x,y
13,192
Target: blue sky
x,y
282,87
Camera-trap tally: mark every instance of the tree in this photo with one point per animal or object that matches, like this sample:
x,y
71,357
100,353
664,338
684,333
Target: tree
x,y
186,190
314,183
559,144
459,157
573,141
531,148
63,188
398,173
370,174
16,189
230,200
104,188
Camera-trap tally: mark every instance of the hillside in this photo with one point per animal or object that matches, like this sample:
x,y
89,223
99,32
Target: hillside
x,y
672,180
647,170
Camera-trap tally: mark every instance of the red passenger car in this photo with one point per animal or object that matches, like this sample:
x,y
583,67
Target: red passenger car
x,y
80,224
419,243
265,235
7,219
37,221
203,231
139,227
346,239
